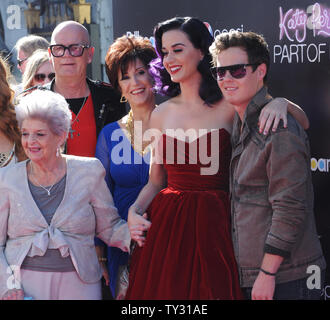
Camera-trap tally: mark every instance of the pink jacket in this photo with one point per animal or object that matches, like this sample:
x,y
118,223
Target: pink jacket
x,y
86,211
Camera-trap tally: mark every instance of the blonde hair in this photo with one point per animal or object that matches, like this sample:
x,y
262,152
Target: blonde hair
x,y
35,61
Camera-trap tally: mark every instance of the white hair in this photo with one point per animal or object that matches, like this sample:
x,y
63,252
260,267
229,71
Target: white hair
x,y
46,106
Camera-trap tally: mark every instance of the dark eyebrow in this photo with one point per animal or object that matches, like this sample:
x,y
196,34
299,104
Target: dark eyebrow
x,y
178,44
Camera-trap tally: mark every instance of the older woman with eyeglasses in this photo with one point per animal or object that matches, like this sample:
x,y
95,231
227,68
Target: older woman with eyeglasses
x,y
51,208
38,71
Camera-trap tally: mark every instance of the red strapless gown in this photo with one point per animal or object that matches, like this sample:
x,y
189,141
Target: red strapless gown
x,y
188,253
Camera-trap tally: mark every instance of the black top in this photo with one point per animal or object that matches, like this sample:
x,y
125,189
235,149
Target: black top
x,y
106,102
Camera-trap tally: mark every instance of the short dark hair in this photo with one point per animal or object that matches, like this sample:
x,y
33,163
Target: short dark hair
x,y
125,50
252,43
201,39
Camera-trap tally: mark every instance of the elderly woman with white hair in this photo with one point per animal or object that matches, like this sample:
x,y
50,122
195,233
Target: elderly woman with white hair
x,y
51,208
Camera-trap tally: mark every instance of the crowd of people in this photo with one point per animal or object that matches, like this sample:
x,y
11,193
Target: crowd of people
x,y
104,194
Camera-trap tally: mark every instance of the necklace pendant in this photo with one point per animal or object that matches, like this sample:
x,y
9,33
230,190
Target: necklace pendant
x,y
48,191
71,131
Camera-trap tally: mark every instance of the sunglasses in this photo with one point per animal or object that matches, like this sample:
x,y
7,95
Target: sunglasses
x,y
75,50
20,62
39,77
237,71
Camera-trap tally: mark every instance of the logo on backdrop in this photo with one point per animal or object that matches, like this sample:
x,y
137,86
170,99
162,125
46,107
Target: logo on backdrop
x,y
294,26
218,31
321,165
136,33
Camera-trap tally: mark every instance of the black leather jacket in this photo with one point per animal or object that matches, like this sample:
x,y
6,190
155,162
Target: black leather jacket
x,y
106,101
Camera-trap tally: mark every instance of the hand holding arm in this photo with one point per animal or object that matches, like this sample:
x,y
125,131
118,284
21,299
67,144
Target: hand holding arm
x,y
138,223
277,110
138,226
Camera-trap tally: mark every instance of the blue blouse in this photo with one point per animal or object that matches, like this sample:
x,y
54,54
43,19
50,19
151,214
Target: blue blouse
x,y
126,174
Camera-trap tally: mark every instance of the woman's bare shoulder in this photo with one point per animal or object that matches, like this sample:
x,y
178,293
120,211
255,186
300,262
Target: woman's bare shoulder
x,y
225,109
165,106
161,112
225,113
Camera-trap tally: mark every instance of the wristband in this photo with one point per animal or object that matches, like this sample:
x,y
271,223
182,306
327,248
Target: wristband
x,y
268,273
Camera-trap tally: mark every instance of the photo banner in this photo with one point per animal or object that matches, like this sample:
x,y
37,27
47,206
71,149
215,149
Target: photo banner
x,y
298,35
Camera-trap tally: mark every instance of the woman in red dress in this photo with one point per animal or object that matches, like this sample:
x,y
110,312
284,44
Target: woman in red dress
x,y
187,253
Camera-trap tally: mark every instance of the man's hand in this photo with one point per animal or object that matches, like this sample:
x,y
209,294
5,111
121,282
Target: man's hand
x,y
264,287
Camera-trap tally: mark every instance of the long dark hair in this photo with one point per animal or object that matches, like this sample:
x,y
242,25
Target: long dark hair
x,y
201,39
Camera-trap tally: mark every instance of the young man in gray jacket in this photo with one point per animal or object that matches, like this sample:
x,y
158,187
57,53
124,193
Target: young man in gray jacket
x,y
273,227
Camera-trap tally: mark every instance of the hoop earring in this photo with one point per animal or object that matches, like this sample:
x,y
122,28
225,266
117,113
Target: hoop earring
x,y
123,99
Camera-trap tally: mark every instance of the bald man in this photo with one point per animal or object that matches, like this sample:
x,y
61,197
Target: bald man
x,y
93,103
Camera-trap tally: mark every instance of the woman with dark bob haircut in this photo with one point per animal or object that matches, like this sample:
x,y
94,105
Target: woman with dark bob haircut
x,y
187,252
127,66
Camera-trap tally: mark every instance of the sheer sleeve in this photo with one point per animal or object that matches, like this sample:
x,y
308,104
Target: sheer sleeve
x,y
103,154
